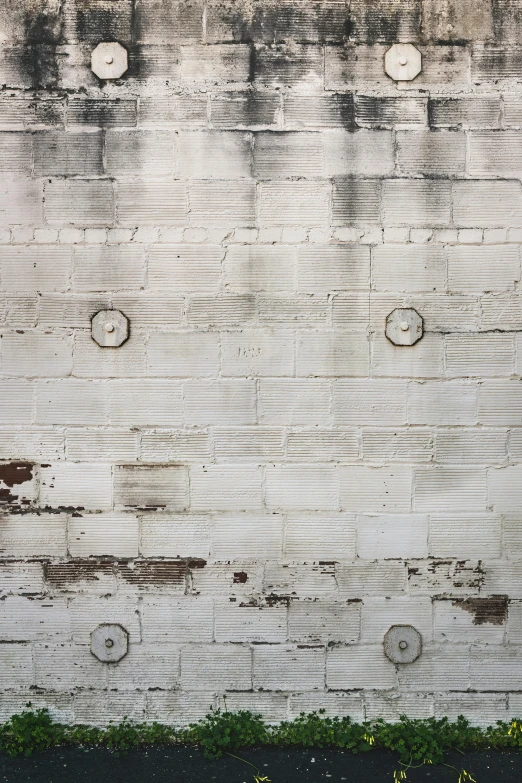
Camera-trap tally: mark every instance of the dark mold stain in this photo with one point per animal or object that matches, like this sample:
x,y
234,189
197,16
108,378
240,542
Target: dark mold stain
x,y
385,20
42,34
507,19
240,577
12,473
486,610
281,23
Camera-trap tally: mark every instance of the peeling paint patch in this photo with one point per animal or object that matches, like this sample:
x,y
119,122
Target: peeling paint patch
x,y
486,610
12,473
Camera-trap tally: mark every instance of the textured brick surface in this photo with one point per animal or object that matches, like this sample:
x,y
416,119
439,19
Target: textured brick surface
x,y
257,484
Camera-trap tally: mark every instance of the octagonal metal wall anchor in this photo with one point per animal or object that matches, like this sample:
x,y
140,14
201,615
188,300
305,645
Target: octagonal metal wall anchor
x,y
404,326
109,643
109,60
110,328
402,644
403,62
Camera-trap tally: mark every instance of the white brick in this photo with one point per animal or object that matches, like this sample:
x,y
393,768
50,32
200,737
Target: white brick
x,y
175,536
180,708
257,353
320,537
495,668
379,614
463,621
17,669
456,535
34,354
478,269
171,620
71,310
220,402
479,355
215,63
145,402
22,578
62,667
43,535
500,402
481,709
323,445
183,354
225,488
93,361
495,152
373,402
21,202
414,203
449,489
294,402
375,489
151,203
487,204
410,268
88,612
128,153
351,311
103,535
368,153
71,402
403,445
16,401
151,486
35,268
429,152
165,446
223,203
77,484
316,580
107,445
99,708
221,311
294,203
214,155
334,704
32,619
260,268
248,444
365,667
288,668
288,155
109,267
437,669
389,706
271,706
332,354
222,667
501,311
424,359
505,489
324,621
59,705
442,403
325,268
247,537
229,580
384,537
240,623
150,310
86,202
450,577
511,538
362,578
302,487
482,446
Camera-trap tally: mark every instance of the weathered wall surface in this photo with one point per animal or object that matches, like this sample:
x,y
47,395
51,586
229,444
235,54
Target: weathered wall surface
x,y
258,484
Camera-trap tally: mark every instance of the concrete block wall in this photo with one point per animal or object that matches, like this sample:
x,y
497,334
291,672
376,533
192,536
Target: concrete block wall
x,y
258,484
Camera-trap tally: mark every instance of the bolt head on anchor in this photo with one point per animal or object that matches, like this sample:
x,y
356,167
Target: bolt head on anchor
x,y
403,62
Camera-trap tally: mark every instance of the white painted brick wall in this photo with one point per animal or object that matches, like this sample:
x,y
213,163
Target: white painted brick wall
x,y
258,484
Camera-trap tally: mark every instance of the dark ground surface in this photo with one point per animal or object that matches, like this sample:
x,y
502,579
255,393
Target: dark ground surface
x,y
187,765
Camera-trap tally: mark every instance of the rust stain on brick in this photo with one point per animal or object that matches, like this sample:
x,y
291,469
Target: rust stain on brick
x,y
485,610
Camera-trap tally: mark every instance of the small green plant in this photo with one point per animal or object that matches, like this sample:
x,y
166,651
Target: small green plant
x,y
415,742
28,732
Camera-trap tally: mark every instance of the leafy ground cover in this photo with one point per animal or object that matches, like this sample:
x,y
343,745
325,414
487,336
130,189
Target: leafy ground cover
x,y
412,749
